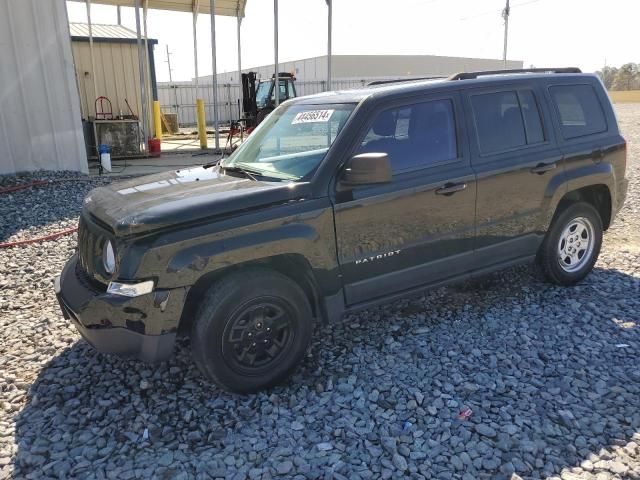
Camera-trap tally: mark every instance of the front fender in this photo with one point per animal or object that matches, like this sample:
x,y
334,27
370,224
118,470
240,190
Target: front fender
x,y
304,229
189,264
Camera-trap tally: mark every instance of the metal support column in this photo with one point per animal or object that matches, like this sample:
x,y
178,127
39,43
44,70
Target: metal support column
x,y
329,24
239,22
196,7
91,54
212,4
143,86
119,13
276,84
147,76
200,112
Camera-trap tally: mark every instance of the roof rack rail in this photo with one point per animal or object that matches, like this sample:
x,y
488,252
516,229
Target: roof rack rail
x,y
472,75
401,80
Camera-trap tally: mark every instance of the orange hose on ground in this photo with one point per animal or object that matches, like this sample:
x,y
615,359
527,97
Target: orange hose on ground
x,y
24,186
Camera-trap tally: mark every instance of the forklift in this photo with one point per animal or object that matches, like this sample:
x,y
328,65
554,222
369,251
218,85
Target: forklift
x,y
258,97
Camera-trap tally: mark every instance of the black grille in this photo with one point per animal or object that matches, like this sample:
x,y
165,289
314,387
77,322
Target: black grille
x,y
87,247
90,244
88,282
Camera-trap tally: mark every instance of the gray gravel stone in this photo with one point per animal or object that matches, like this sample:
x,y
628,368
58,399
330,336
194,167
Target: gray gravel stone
x,y
485,430
284,467
400,462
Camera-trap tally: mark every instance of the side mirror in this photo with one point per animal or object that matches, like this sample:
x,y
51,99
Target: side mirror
x,y
367,169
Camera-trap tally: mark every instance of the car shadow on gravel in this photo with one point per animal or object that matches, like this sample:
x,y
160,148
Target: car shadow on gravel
x,y
550,374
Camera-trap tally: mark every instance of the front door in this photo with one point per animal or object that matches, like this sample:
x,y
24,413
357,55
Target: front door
x,y
418,229
517,163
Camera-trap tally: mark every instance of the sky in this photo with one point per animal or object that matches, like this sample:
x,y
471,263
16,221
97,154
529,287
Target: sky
x,y
582,33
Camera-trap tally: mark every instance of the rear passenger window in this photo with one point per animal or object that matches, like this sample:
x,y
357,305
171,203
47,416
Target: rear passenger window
x,y
506,120
414,136
579,109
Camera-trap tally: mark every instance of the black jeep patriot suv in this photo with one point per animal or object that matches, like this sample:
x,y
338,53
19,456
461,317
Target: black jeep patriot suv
x,y
343,200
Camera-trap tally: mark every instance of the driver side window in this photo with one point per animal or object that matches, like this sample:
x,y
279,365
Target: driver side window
x,y
414,136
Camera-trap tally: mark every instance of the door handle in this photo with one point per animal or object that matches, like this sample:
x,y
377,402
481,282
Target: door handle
x,y
543,168
451,188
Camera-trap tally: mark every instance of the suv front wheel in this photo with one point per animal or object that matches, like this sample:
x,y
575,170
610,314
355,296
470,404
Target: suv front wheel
x,y
572,244
252,330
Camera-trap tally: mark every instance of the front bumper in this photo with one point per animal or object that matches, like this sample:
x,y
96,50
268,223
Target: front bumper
x,y
141,327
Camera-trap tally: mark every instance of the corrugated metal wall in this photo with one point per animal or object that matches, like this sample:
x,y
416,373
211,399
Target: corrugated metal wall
x,y
117,76
40,123
181,97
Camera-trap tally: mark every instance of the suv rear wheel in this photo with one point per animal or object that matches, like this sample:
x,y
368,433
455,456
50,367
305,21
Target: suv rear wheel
x,y
251,331
572,244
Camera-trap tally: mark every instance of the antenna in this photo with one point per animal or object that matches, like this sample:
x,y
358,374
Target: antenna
x,y
505,16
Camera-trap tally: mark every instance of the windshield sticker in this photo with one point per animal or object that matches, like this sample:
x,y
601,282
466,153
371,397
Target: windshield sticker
x,y
312,116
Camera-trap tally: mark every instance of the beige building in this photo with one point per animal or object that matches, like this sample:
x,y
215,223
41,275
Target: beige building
x,y
374,67
117,70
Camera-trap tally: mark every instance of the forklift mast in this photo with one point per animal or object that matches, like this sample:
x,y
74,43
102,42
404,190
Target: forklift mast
x,y
249,105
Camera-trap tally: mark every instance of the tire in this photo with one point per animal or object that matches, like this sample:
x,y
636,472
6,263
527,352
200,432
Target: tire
x,y
572,244
251,330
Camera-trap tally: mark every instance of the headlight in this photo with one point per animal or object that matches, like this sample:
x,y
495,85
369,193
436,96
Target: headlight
x,y
109,257
130,289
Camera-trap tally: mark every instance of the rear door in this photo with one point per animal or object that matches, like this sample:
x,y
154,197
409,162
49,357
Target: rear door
x,y
419,228
516,159
594,150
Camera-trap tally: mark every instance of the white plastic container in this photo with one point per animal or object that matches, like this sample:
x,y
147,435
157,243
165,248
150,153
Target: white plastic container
x,y
105,157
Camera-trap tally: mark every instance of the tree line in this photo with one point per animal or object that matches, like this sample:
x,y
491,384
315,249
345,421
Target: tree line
x,y
627,77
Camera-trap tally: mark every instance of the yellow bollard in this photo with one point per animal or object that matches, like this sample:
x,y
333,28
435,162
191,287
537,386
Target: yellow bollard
x,y
157,119
202,126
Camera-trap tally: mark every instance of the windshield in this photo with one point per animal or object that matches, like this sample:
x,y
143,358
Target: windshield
x,y
262,94
291,142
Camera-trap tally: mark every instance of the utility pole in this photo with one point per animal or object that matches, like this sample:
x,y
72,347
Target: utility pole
x,y
505,16
175,90
168,61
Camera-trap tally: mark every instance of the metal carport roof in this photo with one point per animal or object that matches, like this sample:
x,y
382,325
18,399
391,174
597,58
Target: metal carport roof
x,y
230,8
81,31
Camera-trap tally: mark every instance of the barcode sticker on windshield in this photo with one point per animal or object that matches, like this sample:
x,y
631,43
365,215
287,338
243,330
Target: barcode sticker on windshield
x,y
312,116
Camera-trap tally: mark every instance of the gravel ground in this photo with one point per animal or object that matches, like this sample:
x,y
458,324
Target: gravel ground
x,y
551,375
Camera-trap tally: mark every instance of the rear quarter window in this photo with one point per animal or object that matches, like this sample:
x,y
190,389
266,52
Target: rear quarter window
x,y
506,120
579,110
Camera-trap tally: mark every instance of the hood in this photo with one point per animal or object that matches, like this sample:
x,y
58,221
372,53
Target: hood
x,y
183,196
